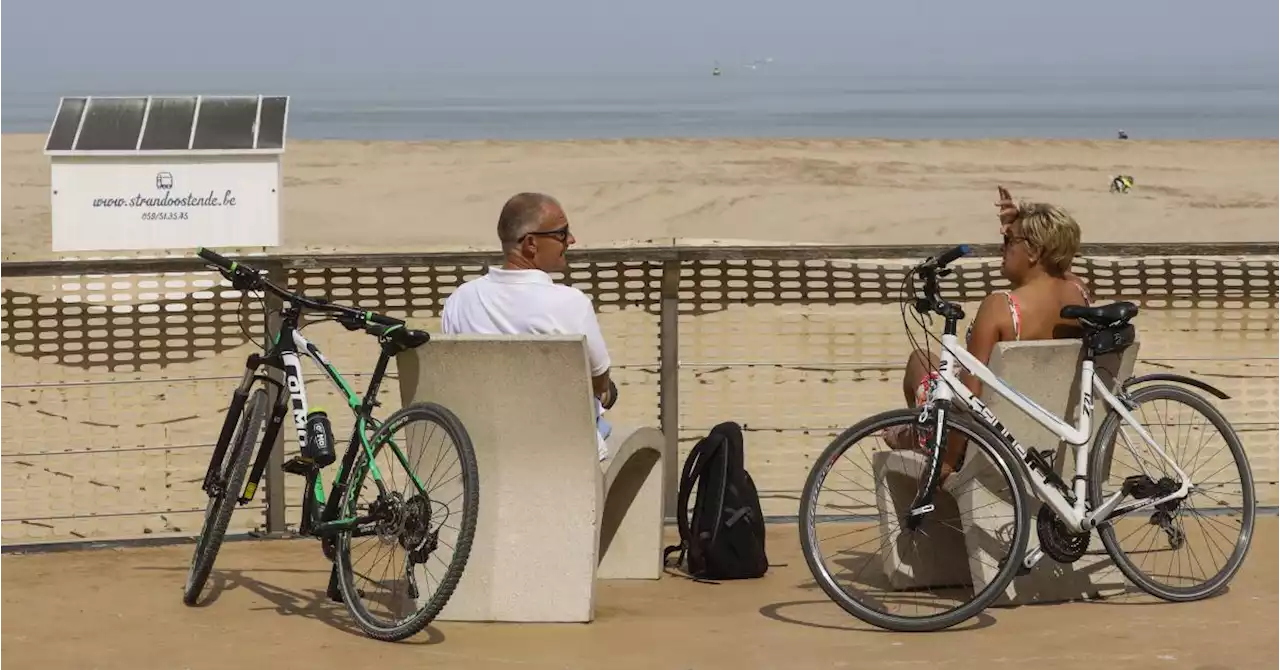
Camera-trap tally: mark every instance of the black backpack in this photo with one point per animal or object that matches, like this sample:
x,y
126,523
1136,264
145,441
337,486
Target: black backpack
x,y
724,538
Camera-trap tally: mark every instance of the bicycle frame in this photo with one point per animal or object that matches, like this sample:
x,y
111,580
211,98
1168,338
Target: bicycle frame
x,y
1048,486
291,398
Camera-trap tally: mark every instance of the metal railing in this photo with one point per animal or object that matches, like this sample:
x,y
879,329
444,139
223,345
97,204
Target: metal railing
x,y
116,372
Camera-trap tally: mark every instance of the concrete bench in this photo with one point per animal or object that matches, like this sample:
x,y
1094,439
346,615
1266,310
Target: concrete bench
x,y
553,516
1046,371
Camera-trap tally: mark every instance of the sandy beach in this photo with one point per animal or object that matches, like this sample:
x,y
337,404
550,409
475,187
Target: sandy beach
x,y
378,196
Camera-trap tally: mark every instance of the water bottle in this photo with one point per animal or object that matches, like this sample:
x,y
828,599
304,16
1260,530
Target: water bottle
x,y
319,447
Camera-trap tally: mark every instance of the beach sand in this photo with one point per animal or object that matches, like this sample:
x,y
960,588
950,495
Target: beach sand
x,y
108,609
405,196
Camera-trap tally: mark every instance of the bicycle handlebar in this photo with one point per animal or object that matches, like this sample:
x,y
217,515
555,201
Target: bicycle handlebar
x,y
930,270
217,259
943,260
246,278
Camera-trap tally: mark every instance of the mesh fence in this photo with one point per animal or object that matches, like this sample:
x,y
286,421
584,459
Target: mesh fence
x,y
115,383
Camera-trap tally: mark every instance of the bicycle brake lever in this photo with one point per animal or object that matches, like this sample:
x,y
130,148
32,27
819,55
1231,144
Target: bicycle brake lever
x,y
349,323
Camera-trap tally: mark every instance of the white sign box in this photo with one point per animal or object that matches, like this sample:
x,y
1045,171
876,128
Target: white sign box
x,y
162,202
132,173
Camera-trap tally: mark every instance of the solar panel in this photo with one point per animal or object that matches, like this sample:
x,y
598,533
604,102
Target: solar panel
x,y
271,122
226,123
63,133
169,123
111,124
235,124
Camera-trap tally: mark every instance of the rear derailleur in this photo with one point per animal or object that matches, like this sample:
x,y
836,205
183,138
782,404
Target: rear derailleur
x,y
1141,486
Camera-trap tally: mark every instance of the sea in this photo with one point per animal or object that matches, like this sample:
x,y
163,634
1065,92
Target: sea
x,y
737,104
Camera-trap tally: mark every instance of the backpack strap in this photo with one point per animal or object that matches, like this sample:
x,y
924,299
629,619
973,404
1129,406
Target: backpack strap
x,y
694,466
732,434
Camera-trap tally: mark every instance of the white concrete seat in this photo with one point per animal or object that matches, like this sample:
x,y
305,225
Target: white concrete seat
x,y
1047,371
553,517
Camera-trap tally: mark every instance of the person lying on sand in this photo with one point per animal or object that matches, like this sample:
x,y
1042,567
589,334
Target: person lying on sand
x,y
1039,242
521,298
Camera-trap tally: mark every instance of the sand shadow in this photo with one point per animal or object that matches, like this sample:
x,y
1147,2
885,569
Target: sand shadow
x,y
311,604
880,588
1134,596
775,612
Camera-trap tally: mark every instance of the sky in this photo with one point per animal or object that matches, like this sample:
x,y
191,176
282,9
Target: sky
x,y
186,45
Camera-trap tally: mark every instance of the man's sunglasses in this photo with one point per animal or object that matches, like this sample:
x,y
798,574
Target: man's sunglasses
x,y
559,234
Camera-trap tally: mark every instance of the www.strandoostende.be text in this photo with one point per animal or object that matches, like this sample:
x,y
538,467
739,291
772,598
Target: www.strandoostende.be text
x,y
166,200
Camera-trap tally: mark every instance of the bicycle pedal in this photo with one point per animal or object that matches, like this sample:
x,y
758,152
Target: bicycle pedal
x,y
298,466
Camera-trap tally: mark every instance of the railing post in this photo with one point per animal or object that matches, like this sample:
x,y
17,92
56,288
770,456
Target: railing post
x,y
669,381
275,464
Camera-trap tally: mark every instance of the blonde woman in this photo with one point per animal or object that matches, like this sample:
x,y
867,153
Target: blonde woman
x,y
1039,243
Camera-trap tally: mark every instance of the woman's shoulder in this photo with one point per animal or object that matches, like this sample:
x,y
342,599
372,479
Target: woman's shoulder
x,y
1069,288
1078,282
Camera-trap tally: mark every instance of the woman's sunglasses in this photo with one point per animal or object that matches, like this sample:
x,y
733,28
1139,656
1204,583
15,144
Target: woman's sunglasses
x,y
1010,239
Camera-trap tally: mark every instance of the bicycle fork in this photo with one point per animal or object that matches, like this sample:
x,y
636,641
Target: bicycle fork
x,y
923,503
213,475
274,422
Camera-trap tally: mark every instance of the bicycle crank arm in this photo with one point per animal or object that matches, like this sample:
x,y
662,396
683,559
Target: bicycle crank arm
x,y
1031,558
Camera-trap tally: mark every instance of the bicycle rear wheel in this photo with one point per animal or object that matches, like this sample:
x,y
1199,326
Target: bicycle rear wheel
x,y
1217,516
222,504
892,567
425,500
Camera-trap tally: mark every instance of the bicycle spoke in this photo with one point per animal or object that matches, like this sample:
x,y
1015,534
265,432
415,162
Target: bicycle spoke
x,y
1165,559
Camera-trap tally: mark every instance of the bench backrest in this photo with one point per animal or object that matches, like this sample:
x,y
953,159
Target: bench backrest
x,y
526,403
506,385
1048,372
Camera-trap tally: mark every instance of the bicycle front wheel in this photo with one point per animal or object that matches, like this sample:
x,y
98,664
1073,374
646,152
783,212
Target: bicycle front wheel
x,y
421,494
1185,549
217,515
883,570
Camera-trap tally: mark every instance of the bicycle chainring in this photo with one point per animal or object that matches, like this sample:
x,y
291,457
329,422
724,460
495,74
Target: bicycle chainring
x,y
1057,540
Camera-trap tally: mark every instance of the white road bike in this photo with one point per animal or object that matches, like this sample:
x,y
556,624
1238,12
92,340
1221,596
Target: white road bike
x,y
1160,487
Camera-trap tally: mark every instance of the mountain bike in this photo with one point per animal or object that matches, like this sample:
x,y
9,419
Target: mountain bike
x,y
1158,499
365,511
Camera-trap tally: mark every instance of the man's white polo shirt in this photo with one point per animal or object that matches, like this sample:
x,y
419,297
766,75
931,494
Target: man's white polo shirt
x,y
522,302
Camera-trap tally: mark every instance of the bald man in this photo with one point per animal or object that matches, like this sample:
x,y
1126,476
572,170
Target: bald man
x,y
521,298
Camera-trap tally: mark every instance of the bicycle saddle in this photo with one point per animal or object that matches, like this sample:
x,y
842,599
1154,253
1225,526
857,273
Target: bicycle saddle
x,y
411,339
1104,316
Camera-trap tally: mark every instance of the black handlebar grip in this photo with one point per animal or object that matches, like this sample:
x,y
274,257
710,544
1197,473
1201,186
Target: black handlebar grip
x,y
215,258
951,255
383,320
